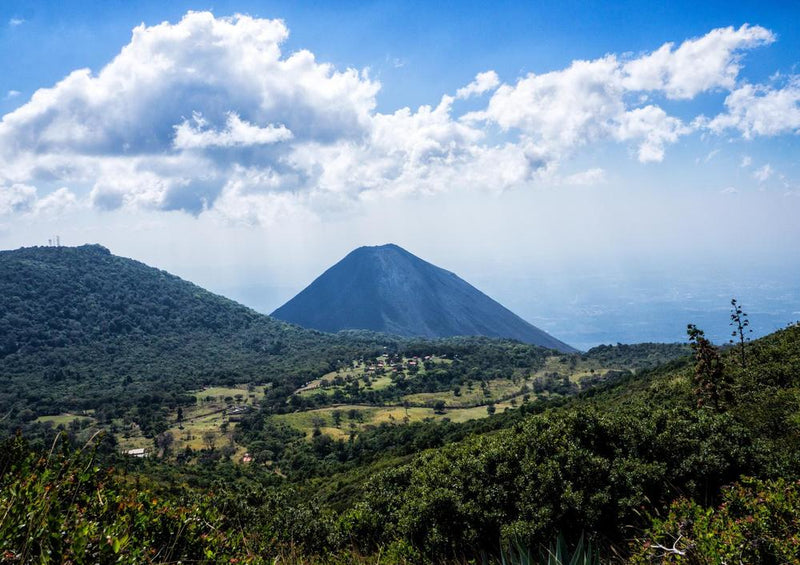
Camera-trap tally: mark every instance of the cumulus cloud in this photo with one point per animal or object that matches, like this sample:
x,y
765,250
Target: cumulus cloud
x,y
237,133
654,128
697,65
208,115
588,101
761,110
483,83
561,109
213,66
584,103
21,198
56,202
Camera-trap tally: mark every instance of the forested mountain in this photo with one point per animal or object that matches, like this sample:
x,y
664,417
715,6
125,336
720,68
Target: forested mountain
x,y
387,289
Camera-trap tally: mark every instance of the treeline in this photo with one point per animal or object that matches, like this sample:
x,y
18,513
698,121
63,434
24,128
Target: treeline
x,y
638,355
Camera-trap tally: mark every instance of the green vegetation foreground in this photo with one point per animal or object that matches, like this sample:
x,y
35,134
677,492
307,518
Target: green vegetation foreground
x,y
639,468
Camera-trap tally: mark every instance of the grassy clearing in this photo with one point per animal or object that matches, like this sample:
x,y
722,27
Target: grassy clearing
x,y
372,375
472,395
574,368
239,394
355,418
63,419
210,422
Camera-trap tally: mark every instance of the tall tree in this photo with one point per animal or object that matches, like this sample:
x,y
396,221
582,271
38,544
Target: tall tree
x,y
740,323
711,386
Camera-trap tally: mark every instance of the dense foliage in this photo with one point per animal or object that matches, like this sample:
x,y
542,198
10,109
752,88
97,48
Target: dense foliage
x,y
595,464
637,356
757,522
598,465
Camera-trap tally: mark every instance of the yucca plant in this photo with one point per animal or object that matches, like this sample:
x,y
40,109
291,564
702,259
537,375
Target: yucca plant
x,y
557,553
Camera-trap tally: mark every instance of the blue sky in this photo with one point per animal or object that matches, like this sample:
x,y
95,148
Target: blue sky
x,y
607,171
439,44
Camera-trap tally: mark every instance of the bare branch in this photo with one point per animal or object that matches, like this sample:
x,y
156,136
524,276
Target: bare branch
x,y
670,550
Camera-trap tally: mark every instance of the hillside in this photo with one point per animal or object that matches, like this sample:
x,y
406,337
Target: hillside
x,y
387,289
634,465
82,329
630,464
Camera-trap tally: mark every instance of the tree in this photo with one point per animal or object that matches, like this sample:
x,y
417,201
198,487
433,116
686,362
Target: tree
x,y
438,407
740,323
711,384
164,441
208,439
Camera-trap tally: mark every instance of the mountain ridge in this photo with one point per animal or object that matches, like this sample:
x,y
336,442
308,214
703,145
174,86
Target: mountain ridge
x,y
385,288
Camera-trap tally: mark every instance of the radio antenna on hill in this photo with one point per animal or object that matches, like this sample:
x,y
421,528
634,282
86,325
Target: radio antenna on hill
x,y
58,241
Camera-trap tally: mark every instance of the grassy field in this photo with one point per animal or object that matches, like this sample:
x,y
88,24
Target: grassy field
x,y
366,416
207,423
470,396
211,421
470,403
63,419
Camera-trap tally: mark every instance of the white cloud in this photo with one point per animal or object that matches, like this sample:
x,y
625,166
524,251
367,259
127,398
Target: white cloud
x,y
588,101
237,133
654,128
208,116
561,109
483,83
214,66
759,110
698,65
56,202
15,22
763,174
746,161
12,94
23,199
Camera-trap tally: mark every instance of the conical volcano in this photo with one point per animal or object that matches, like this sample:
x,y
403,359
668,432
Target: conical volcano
x,y
387,289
